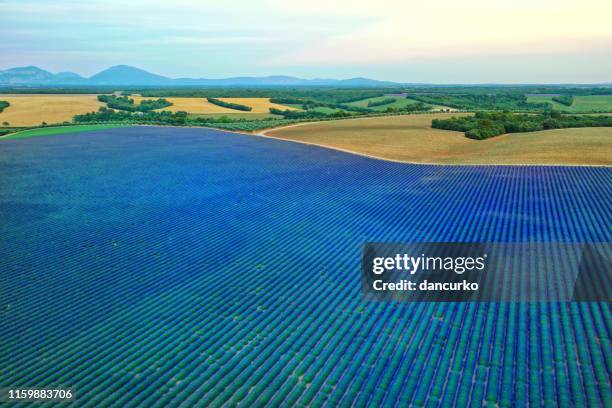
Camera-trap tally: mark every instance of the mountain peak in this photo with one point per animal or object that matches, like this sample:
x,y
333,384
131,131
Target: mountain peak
x,y
127,75
27,69
22,75
124,67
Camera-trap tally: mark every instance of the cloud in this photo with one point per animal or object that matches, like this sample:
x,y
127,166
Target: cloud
x,y
216,40
402,33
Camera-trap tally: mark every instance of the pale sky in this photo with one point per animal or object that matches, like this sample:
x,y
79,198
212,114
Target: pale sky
x,y
440,41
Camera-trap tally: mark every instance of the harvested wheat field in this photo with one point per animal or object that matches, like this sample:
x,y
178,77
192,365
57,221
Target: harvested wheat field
x,y
410,138
259,105
33,109
202,106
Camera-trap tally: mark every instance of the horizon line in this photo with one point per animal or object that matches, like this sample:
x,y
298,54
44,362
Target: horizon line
x,y
484,84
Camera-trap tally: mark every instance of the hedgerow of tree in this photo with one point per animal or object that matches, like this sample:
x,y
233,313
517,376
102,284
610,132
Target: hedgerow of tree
x,y
381,102
413,107
307,114
484,125
229,105
109,115
566,100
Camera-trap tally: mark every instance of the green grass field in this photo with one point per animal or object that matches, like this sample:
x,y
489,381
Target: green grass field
x,y
399,103
323,109
47,131
582,104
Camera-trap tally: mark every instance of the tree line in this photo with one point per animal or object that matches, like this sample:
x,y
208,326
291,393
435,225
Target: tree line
x,y
498,101
484,125
310,104
229,105
381,102
110,115
413,107
308,114
321,94
125,103
342,110
566,100
181,118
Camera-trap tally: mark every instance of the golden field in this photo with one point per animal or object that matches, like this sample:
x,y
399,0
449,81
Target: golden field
x,y
33,109
259,105
202,106
410,138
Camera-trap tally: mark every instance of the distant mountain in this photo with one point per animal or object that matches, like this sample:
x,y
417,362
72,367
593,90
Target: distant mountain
x,y
25,75
34,76
276,80
69,76
125,75
364,82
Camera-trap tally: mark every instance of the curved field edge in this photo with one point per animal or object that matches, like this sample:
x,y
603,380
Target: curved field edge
x,y
410,139
569,147
56,130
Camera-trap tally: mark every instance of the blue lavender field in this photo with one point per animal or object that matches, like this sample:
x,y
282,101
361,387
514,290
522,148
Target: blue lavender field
x,y
150,267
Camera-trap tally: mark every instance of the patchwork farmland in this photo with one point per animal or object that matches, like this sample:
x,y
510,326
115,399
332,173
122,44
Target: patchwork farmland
x,y
34,109
202,106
